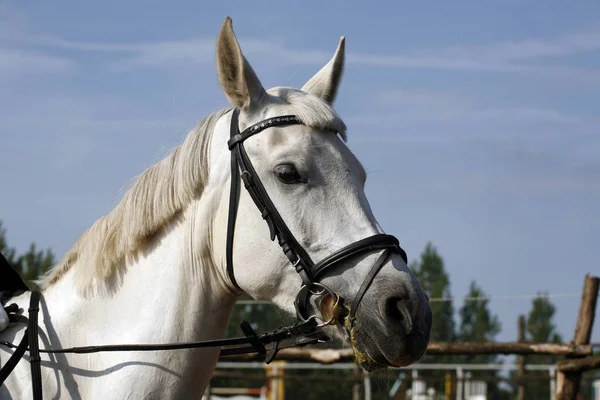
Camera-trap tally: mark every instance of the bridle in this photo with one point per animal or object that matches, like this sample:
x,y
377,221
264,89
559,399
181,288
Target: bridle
x,y
306,331
241,168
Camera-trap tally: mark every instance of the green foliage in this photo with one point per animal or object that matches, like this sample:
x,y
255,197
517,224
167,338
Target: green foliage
x,y
477,324
540,327
9,253
435,281
31,264
262,317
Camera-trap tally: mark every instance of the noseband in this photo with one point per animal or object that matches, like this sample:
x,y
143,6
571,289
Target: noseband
x,y
310,273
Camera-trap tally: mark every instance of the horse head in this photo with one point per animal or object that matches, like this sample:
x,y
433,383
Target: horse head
x,y
288,147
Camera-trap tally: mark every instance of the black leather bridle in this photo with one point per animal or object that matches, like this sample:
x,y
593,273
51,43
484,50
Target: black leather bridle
x,y
306,331
241,168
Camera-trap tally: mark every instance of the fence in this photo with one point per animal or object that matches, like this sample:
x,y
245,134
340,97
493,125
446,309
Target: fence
x,y
565,377
467,388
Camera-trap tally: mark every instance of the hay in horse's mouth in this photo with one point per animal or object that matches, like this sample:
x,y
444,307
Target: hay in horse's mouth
x,y
340,312
362,358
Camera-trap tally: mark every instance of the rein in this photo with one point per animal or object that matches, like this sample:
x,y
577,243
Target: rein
x,y
306,331
267,344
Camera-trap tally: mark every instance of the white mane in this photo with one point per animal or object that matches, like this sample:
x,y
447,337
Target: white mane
x,y
163,192
159,194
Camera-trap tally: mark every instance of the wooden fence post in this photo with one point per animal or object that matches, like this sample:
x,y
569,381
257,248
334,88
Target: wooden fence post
x,y
568,382
521,375
356,374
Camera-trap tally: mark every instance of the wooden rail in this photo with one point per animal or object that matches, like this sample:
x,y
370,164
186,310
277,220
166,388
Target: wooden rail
x,y
579,365
328,356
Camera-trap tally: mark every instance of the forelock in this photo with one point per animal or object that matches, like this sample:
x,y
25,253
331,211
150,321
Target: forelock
x,y
313,111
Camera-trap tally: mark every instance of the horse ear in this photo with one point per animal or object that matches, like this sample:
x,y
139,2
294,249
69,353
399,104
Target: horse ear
x,y
326,82
237,78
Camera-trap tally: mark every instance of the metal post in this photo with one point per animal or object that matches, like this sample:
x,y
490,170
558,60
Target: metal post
x,y
413,384
552,373
367,381
467,388
597,389
459,383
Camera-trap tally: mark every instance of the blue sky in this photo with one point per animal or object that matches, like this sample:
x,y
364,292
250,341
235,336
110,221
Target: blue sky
x,y
478,122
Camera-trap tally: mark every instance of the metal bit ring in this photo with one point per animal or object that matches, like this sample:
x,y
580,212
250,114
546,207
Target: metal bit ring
x,y
309,291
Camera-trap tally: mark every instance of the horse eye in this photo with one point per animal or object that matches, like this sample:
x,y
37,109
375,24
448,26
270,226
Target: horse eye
x,y
288,174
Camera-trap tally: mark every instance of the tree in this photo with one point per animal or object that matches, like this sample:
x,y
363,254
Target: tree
x,y
9,253
30,265
262,317
435,281
540,327
477,324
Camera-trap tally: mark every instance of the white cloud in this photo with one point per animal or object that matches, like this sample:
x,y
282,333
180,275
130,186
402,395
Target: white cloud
x,y
427,104
75,128
516,57
505,57
475,63
427,61
459,108
536,115
421,98
167,54
60,43
14,62
521,56
527,49
197,51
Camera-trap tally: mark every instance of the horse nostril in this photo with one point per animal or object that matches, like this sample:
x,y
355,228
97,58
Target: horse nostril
x,y
399,310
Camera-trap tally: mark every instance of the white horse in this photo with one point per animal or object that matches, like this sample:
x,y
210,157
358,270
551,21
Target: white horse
x,y
153,270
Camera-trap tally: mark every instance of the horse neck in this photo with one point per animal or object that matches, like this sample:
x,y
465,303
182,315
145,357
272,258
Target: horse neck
x,y
165,296
162,285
